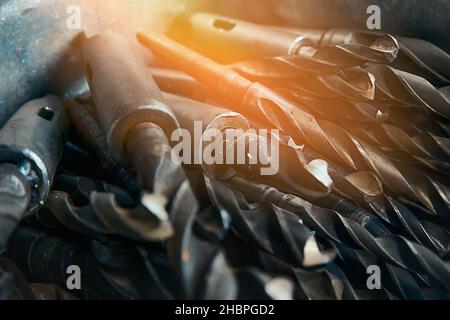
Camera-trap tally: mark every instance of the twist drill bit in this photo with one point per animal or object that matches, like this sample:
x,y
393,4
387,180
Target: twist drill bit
x,y
239,39
271,229
345,231
196,252
398,215
31,144
315,181
82,117
265,105
259,101
257,284
103,215
105,265
414,55
407,89
135,122
361,186
330,284
415,123
424,147
402,283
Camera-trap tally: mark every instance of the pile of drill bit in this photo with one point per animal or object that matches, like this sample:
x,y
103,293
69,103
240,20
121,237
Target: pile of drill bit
x,y
359,207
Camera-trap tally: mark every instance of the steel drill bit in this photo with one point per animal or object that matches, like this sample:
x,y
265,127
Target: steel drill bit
x,y
400,282
359,186
105,264
259,101
103,215
135,121
271,229
422,147
241,39
313,175
82,117
344,231
264,105
407,89
31,144
398,215
413,55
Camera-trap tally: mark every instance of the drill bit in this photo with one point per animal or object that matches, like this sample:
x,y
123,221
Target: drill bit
x,y
398,215
265,105
135,121
413,55
230,38
345,231
315,181
361,186
82,117
103,215
31,144
271,229
105,265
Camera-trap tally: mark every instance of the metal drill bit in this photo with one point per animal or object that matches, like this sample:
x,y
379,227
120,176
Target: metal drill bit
x,y
135,122
31,144
409,54
406,89
422,147
103,215
264,105
427,233
82,117
259,101
245,40
344,231
271,229
313,175
105,265
402,283
361,186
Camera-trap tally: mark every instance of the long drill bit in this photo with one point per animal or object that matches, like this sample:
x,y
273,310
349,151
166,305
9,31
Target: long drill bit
x,y
31,145
344,231
135,121
361,186
265,105
233,35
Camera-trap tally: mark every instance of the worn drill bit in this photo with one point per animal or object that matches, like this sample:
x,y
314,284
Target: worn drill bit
x,y
400,282
424,147
135,122
265,105
31,144
407,89
234,128
271,229
360,186
345,231
259,101
241,39
398,215
105,265
100,213
82,117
